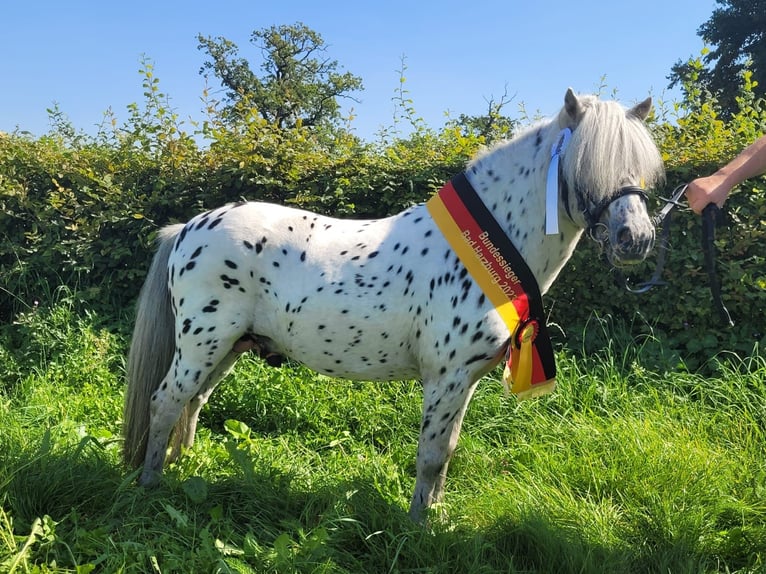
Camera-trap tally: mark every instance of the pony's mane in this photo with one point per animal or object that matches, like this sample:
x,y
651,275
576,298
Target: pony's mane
x,y
609,147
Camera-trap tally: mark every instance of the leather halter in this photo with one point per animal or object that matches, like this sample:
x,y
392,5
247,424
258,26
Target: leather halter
x,y
593,216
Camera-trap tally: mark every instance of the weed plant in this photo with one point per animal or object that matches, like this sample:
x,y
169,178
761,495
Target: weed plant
x,y
634,464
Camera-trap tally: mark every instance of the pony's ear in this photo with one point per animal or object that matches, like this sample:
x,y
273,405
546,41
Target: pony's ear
x,y
641,111
572,105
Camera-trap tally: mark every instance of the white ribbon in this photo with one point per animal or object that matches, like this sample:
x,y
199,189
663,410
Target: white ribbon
x,y
552,183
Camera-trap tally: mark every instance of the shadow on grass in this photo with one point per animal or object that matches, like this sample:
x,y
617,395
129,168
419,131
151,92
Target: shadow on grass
x,y
268,522
45,481
539,544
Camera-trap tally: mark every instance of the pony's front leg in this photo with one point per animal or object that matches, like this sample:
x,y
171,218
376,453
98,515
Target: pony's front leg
x,y
445,401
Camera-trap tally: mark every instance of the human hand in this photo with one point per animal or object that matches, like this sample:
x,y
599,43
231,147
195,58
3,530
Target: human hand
x,y
706,190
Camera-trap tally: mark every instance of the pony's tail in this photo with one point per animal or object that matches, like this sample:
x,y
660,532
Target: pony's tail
x,y
151,349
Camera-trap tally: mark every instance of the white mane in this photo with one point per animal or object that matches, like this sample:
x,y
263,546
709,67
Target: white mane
x,y
610,146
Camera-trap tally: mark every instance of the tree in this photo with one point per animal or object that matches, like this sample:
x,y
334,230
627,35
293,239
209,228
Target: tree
x,y
299,84
737,34
491,126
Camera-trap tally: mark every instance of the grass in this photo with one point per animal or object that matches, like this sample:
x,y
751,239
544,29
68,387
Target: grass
x,y
627,467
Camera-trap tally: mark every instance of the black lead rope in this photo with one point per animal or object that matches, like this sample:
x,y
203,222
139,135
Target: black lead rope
x,y
711,218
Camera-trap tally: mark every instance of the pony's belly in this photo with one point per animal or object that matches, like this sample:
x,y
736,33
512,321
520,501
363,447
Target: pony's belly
x,y
353,350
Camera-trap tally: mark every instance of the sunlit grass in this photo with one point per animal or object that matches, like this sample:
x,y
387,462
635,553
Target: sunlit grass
x,y
625,468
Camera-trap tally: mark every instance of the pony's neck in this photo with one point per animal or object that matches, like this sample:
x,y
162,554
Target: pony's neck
x,y
510,179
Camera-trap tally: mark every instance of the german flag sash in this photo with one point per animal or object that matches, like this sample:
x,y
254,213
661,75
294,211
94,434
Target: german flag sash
x,y
504,277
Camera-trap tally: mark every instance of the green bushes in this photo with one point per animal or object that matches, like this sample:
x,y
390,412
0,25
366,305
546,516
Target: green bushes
x,y
80,211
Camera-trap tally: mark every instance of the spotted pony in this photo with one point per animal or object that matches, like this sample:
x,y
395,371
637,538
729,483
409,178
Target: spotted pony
x,y
377,300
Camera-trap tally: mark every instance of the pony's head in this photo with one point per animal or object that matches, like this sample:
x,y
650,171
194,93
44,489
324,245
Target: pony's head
x,y
610,161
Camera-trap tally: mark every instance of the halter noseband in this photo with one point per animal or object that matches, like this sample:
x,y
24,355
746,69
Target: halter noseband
x,y
593,216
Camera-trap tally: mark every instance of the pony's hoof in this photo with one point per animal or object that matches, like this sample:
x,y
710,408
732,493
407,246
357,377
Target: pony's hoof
x,y
149,479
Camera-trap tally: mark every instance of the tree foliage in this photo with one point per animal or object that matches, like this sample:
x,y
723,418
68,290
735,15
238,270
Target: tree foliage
x,y
299,84
736,33
493,125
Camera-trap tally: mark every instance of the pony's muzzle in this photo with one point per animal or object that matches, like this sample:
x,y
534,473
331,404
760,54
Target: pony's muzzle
x,y
631,244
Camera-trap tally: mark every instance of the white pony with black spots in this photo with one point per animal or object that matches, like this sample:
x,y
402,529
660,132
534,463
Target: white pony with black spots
x,y
376,300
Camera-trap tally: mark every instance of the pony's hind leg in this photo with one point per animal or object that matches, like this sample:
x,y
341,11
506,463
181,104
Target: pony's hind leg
x,y
186,428
188,383
444,405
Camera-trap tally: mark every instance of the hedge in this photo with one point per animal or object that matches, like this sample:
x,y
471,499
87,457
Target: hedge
x,y
82,212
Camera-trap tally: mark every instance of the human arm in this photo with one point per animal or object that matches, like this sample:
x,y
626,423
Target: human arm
x,y
715,188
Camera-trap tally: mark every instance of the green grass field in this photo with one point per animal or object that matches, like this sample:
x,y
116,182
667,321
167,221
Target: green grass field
x,y
627,467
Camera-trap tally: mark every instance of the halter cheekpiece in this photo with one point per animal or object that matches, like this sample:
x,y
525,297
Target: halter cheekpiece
x,y
593,216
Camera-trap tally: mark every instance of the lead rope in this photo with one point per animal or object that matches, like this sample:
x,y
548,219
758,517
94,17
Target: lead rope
x,y
711,217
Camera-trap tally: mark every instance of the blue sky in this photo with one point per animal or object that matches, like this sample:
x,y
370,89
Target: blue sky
x,y
85,55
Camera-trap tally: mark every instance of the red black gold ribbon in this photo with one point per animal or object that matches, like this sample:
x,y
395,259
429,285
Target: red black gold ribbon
x,y
504,277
